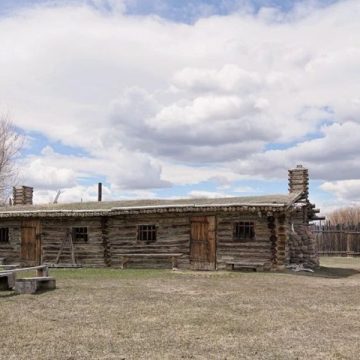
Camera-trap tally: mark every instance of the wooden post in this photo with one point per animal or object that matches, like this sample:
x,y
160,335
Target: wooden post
x,y
105,241
281,232
42,271
273,239
348,247
174,263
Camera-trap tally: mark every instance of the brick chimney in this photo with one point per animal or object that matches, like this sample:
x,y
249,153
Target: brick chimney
x,y
23,195
299,180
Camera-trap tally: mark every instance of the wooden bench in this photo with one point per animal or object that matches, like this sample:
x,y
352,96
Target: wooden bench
x,y
41,282
32,285
125,258
248,265
41,270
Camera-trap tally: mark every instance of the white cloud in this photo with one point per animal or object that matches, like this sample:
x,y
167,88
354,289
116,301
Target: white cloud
x,y
245,189
346,191
39,174
333,156
76,193
198,194
189,175
122,169
230,78
146,98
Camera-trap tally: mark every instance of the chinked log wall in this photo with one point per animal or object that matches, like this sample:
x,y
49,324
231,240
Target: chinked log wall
x,y
54,231
111,237
11,251
173,236
258,249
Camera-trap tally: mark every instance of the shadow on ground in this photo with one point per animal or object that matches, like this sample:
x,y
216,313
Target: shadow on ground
x,y
328,272
7,294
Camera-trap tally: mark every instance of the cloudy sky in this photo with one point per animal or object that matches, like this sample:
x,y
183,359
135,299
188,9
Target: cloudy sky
x,y
169,98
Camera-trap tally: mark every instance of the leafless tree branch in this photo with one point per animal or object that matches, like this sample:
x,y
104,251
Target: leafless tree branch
x,y
11,143
348,216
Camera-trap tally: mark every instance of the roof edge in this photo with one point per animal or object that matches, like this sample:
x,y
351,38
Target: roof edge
x,y
142,209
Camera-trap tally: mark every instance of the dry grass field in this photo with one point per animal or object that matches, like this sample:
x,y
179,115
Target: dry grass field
x,y
137,314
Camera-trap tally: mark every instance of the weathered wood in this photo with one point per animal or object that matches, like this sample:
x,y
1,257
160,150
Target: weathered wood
x,y
90,253
30,242
257,249
34,284
41,271
343,240
125,258
22,195
252,265
105,241
67,241
203,243
173,236
43,268
111,237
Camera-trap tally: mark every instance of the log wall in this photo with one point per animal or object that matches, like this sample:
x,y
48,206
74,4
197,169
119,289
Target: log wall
x,y
109,238
173,236
11,251
90,253
258,249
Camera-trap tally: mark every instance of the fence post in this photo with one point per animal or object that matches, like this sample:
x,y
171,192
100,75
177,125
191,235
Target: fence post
x,y
348,239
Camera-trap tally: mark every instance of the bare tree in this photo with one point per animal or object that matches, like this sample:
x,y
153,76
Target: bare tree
x,y
10,144
348,216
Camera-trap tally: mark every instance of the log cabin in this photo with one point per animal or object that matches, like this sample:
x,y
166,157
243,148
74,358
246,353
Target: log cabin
x,y
259,232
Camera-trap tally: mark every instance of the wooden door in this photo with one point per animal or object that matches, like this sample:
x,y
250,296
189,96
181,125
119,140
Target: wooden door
x,y
203,243
30,242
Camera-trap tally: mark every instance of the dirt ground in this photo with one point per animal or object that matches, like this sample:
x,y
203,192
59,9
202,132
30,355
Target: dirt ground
x,y
137,314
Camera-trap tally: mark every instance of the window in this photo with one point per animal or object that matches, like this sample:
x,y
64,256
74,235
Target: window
x,y
80,234
244,231
147,233
4,235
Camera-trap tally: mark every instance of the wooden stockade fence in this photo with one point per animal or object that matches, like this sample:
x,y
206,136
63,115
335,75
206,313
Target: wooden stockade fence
x,y
337,240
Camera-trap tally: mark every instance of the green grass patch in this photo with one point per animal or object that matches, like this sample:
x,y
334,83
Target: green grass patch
x,y
109,273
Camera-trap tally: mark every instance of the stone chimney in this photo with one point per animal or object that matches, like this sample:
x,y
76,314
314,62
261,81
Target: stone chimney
x,y
22,195
299,180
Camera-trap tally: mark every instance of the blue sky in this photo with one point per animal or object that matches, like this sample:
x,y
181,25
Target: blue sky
x,y
183,98
189,11
176,10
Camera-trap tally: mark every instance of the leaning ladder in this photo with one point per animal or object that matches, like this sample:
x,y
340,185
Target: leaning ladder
x,y
68,240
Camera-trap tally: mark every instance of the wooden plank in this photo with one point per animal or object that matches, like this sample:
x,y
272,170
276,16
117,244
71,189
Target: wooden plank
x,y
30,252
125,258
203,243
42,270
152,255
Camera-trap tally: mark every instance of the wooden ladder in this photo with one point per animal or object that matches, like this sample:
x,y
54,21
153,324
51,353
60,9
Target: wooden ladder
x,y
68,240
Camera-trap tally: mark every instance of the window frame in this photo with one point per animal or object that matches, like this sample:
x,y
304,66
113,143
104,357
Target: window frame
x,y
244,231
4,235
146,233
80,234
